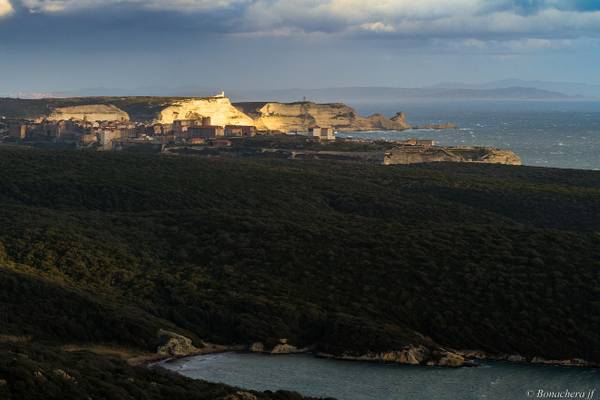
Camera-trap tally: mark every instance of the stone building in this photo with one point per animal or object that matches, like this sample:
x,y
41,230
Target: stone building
x,y
207,132
88,139
321,133
107,137
181,126
126,131
18,131
160,129
240,131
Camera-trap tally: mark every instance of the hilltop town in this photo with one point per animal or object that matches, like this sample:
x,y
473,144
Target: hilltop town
x,y
215,126
105,127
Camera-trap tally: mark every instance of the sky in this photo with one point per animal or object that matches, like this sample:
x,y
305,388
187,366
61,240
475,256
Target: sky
x,y
62,45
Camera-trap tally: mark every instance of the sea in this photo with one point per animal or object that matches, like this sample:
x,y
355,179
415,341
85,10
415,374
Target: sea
x,y
557,134
351,380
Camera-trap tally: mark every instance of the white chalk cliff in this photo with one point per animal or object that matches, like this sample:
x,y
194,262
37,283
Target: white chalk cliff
x,y
218,108
273,116
291,117
92,112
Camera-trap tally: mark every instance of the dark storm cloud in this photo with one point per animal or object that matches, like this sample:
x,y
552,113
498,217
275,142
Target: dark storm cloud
x,y
121,26
311,15
42,20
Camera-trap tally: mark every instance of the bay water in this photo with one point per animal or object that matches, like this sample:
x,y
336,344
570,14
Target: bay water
x,y
559,134
350,380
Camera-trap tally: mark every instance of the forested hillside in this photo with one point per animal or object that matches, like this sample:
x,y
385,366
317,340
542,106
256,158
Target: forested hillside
x,y
109,248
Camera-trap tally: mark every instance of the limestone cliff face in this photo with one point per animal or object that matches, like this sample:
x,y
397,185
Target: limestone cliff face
x,y
219,109
378,121
415,155
93,112
273,116
499,156
299,117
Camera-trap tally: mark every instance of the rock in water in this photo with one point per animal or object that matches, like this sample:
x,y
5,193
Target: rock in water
x,y
400,118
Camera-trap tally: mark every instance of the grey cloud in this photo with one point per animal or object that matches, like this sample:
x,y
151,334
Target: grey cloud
x,y
58,6
427,19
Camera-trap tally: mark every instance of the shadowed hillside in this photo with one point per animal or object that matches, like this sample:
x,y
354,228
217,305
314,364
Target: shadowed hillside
x,y
345,257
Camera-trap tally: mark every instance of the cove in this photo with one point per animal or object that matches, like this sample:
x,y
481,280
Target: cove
x,y
345,380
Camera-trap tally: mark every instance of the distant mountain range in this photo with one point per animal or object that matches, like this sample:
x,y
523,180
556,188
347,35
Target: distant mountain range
x,y
568,88
505,89
385,94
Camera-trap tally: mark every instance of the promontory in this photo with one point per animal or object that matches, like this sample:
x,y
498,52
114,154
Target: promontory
x,y
271,116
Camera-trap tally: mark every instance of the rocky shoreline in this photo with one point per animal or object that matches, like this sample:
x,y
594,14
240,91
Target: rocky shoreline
x,y
517,358
176,346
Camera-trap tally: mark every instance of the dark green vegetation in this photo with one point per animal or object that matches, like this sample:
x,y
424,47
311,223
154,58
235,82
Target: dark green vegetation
x,y
301,143
108,248
281,146
44,372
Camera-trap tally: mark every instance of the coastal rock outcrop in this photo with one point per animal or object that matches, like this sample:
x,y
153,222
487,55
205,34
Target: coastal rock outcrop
x,y
175,345
473,354
411,355
241,395
450,359
257,347
379,121
517,358
575,362
422,154
500,156
283,347
92,112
